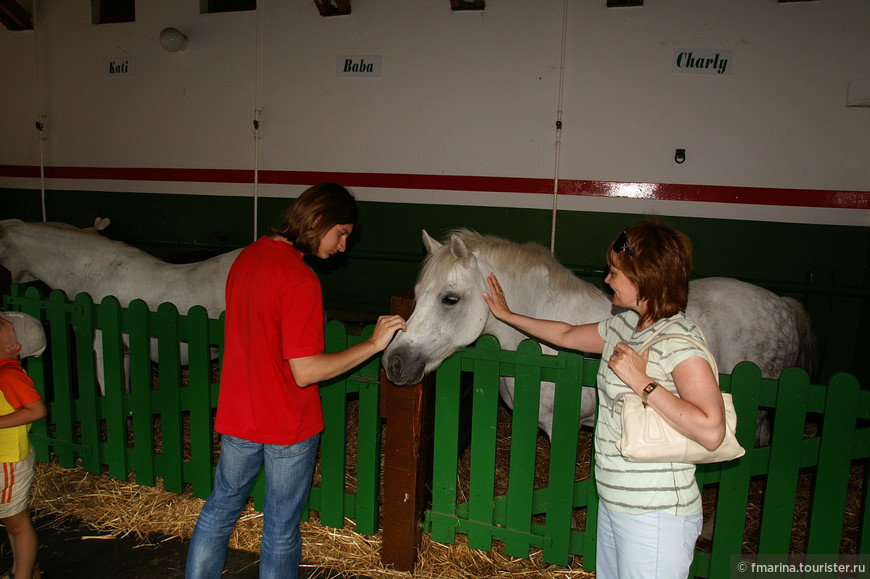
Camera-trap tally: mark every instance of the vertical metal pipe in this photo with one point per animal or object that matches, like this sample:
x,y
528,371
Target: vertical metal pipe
x,y
559,127
40,114
257,112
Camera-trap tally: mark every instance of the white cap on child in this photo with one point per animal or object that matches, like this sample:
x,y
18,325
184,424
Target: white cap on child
x,y
28,332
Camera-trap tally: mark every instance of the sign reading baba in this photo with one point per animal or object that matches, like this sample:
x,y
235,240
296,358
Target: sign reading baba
x,y
369,65
702,61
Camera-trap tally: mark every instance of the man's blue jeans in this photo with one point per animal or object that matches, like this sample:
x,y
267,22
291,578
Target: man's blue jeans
x,y
288,479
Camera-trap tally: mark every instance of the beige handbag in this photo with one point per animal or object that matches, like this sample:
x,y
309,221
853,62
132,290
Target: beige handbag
x,y
647,437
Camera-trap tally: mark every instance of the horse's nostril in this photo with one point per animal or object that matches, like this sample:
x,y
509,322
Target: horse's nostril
x,y
394,365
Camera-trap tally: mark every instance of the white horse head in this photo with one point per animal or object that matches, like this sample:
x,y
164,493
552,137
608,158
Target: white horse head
x,y
449,312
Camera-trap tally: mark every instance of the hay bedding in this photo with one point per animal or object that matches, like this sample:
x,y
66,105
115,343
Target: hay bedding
x,y
121,508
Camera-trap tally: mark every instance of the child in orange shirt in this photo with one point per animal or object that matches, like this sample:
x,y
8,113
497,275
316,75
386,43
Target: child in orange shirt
x,y
21,335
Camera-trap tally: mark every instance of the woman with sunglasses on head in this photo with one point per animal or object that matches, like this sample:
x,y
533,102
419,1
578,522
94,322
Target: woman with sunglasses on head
x,y
649,513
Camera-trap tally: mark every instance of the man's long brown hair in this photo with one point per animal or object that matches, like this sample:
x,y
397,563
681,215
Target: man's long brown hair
x,y
658,260
315,212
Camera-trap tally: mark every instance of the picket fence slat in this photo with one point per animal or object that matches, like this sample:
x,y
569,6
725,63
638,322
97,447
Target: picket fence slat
x,y
832,477
733,492
141,407
446,440
198,401
563,457
483,453
87,405
62,374
368,467
169,368
109,319
785,460
369,427
524,435
332,448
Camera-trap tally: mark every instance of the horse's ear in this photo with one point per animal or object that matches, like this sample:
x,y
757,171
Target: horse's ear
x,y
430,244
461,253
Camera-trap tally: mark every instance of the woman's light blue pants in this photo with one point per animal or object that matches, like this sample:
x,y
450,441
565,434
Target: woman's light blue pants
x,y
644,546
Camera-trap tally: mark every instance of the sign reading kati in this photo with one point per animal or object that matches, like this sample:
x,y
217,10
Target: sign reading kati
x,y
119,66
702,61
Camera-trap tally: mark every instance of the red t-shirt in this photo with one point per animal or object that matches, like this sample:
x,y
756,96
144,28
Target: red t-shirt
x,y
274,313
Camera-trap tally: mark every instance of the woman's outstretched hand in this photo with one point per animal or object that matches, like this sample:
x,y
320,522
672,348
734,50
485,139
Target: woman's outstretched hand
x,y
495,299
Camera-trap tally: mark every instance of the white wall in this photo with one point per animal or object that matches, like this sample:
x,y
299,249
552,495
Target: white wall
x,y
472,94
778,120
460,93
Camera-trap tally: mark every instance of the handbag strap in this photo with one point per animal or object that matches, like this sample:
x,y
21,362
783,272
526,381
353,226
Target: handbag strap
x,y
658,336
652,339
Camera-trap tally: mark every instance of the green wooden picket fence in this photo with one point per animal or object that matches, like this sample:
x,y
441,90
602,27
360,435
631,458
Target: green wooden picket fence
x,y
162,424
161,427
820,430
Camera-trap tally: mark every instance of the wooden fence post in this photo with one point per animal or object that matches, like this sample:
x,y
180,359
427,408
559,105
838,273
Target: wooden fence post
x,y
408,412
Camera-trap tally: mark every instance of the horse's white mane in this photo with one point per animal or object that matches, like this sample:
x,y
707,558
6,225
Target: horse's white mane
x,y
514,258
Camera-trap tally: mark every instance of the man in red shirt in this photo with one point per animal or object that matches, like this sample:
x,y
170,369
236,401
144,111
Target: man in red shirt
x,y
269,411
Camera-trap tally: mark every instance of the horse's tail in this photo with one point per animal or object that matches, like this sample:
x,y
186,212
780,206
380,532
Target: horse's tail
x,y
807,357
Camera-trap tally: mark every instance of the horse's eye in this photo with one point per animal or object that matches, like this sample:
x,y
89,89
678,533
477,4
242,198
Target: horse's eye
x,y
450,300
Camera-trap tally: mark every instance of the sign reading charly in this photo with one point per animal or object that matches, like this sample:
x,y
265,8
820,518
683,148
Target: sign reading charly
x,y
702,61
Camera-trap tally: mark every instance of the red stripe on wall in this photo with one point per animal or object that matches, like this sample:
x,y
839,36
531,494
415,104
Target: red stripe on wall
x,y
410,181
720,194
656,191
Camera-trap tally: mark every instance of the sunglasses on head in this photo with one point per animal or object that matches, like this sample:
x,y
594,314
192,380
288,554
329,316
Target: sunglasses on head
x,y
621,245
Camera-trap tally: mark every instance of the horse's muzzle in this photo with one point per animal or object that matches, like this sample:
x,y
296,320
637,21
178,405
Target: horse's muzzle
x,y
402,367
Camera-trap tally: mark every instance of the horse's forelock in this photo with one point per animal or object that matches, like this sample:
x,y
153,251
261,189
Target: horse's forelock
x,y
438,265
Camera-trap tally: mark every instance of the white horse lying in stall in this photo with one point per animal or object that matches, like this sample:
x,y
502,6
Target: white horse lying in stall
x,y
83,261
741,321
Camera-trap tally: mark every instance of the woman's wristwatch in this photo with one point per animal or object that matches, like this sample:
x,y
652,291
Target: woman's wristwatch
x,y
647,390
